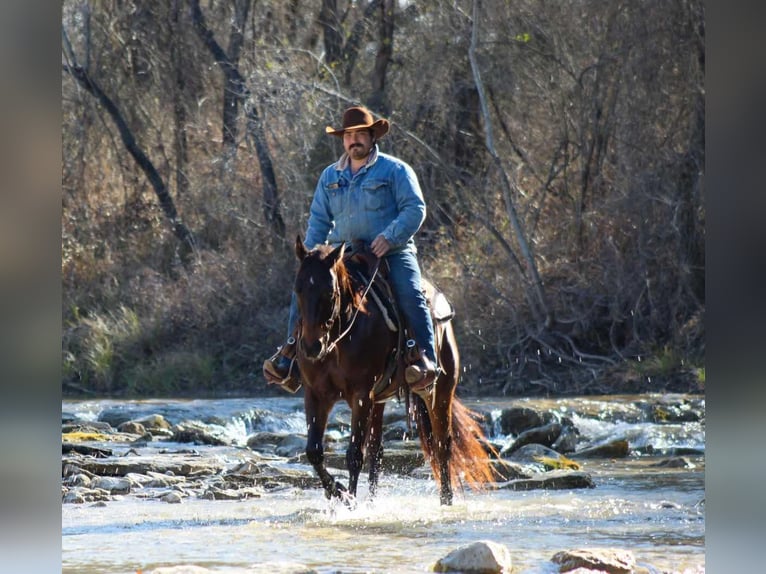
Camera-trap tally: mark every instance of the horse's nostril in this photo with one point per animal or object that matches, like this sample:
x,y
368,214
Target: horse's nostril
x,y
313,350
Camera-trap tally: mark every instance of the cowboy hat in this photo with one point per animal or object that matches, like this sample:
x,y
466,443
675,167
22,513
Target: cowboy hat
x,y
357,118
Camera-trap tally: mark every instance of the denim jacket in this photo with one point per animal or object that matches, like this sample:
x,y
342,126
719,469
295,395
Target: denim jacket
x,y
383,197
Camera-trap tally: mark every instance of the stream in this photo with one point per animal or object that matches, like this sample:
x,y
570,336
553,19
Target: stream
x,y
655,511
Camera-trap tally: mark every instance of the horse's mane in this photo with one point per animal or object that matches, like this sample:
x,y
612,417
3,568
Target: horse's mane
x,y
346,284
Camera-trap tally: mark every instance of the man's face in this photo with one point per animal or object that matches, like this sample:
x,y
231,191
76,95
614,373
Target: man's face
x,y
357,143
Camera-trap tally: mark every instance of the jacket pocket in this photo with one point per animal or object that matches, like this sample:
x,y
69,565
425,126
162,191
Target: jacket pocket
x,y
377,195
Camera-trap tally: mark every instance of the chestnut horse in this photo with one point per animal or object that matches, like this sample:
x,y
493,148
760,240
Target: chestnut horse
x,y
347,350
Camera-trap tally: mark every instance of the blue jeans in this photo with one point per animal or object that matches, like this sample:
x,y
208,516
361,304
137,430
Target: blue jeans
x,y
404,277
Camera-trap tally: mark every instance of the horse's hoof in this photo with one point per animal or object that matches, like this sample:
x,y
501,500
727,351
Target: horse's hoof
x,y
339,490
349,500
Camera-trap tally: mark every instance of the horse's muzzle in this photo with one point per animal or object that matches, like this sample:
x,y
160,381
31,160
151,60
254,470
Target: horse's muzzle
x,y
315,351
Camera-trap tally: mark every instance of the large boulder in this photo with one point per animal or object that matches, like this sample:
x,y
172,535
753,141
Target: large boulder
x,y
482,557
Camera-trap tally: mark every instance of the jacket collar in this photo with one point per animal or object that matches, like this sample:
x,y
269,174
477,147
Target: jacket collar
x,y
345,162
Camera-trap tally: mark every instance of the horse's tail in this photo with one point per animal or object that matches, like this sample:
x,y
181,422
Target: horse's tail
x,y
469,450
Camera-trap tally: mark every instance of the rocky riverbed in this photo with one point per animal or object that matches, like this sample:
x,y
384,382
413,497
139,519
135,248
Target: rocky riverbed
x,y
176,452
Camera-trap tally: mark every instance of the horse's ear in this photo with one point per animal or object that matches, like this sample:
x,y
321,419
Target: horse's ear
x,y
300,249
337,253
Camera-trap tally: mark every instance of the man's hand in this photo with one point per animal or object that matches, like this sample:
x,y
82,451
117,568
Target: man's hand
x,y
380,246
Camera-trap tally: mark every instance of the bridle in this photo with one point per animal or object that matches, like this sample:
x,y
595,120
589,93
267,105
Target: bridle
x,y
328,348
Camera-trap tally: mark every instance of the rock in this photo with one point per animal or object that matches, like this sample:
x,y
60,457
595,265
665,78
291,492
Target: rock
x,y
290,445
518,419
545,435
132,427
171,497
598,559
568,439
78,480
615,449
112,484
176,465
482,557
264,441
94,426
543,458
74,497
555,480
115,416
197,434
675,462
154,422
507,470
67,448
395,431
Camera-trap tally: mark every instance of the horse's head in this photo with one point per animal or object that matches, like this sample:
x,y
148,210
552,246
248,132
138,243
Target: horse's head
x,y
319,287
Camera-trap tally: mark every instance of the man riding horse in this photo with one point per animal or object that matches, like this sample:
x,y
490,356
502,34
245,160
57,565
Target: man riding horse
x,y
374,197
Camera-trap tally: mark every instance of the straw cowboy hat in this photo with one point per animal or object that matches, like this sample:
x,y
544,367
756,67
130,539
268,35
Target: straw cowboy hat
x,y
357,118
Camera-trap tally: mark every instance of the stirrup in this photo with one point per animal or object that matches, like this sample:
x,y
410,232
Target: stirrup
x,y
425,381
291,382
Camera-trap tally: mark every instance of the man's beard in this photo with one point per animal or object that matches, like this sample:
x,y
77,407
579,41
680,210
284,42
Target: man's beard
x,y
358,151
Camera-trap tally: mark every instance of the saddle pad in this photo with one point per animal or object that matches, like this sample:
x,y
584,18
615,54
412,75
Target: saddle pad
x,y
441,307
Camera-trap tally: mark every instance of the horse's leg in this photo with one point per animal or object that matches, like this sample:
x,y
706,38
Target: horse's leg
x,y
440,413
361,409
375,445
317,413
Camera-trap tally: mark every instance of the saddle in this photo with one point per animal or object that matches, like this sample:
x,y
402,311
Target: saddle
x,y
366,268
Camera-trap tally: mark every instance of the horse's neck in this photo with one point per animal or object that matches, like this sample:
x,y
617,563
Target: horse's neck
x,y
348,296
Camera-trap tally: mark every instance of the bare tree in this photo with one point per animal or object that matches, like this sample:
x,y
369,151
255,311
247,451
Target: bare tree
x,y
238,87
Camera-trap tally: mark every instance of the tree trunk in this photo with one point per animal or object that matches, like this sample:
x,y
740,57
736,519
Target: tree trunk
x,y
541,309
377,99
271,202
180,118
160,189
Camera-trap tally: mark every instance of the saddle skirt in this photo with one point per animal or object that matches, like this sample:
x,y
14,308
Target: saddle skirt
x,y
362,265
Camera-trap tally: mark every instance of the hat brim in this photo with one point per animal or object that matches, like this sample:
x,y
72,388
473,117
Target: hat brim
x,y
379,128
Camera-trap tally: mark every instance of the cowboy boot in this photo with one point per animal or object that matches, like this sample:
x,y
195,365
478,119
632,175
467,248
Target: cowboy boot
x,y
421,372
280,369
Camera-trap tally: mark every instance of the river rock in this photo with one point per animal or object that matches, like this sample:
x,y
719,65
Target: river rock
x,y
132,427
543,458
516,420
78,479
596,559
507,470
197,434
614,449
482,557
112,484
675,462
174,464
172,497
290,445
264,441
154,422
93,426
545,435
554,480
568,438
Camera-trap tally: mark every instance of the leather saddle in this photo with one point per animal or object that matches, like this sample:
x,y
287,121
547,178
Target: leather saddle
x,y
364,266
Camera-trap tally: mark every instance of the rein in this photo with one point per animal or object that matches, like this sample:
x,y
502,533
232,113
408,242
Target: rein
x,y
334,343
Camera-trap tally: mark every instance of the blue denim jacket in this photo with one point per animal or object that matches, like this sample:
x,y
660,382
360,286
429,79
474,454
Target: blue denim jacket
x,y
383,197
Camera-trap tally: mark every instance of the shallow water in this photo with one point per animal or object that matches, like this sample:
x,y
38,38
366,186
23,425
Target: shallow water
x,y
657,513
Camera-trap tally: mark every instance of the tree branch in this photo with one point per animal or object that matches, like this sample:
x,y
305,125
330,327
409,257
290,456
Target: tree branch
x,y
160,189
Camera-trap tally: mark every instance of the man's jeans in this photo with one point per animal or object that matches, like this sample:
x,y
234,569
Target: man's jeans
x,y
404,277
